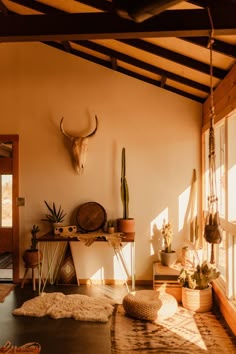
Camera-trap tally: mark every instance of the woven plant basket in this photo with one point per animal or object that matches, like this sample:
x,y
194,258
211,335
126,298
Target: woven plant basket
x,y
28,348
197,300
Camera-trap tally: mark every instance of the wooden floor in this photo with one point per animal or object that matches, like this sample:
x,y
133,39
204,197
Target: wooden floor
x,y
63,336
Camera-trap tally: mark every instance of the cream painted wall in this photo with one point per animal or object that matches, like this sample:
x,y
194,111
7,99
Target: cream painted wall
x,y
160,130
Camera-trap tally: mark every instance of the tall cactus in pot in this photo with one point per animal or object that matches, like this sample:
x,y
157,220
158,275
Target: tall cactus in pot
x,y
126,224
124,188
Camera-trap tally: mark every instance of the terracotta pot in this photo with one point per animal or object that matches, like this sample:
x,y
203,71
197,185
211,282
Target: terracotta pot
x,y
197,300
168,258
111,230
126,225
32,257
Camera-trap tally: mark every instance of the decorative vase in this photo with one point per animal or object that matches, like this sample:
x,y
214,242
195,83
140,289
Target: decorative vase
x,y
197,300
111,230
168,258
126,225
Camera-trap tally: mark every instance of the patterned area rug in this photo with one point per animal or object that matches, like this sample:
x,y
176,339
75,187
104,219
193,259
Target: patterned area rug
x,y
5,289
185,332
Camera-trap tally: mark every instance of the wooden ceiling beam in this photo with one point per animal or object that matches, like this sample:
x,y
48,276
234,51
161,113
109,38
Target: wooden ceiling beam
x,y
174,23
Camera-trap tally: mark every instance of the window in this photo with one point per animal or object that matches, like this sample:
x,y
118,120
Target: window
x,y
225,149
6,201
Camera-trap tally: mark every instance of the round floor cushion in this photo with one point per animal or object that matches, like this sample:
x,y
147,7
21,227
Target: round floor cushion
x,y
150,305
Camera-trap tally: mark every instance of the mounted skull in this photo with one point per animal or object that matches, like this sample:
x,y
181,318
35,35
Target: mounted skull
x,y
79,147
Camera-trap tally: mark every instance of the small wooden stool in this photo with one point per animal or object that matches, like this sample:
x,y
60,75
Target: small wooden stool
x,y
27,267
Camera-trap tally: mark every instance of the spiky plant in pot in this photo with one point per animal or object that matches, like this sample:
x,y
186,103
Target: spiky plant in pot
x,y
56,215
32,256
197,288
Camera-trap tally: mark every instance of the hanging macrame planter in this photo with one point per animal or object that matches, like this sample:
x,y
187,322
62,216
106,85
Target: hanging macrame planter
x,y
213,231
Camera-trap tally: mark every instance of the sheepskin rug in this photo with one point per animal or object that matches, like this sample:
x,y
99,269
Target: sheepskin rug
x,y
58,305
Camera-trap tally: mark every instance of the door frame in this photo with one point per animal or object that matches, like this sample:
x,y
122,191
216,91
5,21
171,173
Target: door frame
x,y
14,139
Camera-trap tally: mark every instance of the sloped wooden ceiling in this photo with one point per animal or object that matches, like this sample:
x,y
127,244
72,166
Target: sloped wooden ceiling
x,y
169,50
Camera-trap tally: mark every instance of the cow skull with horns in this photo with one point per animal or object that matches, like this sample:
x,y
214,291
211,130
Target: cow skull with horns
x,y
79,147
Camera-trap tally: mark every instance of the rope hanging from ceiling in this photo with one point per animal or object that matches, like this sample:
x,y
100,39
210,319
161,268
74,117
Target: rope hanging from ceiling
x,y
213,231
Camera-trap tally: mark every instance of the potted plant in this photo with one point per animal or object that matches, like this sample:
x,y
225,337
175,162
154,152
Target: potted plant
x,y
55,216
167,255
196,286
31,256
125,224
111,226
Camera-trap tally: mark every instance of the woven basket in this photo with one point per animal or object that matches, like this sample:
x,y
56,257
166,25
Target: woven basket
x,y
197,300
28,348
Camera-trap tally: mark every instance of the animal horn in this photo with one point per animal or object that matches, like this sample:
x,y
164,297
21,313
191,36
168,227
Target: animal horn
x,y
72,137
64,132
91,134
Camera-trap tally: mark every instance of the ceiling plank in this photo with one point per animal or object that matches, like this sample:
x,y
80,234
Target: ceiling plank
x,y
3,8
174,23
218,46
176,57
98,4
125,71
38,6
141,64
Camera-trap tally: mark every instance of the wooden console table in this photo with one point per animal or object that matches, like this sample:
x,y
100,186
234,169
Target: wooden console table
x,y
51,258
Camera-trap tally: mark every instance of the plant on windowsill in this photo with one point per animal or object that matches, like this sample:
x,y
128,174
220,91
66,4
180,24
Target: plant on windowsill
x,y
168,256
125,224
196,286
31,256
55,216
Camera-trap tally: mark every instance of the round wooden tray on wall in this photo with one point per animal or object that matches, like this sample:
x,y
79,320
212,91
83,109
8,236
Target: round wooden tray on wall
x,y
91,217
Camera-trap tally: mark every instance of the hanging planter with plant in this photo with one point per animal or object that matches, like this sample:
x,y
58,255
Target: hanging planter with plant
x,y
212,230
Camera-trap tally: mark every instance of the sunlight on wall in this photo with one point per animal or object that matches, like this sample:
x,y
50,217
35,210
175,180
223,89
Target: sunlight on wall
x,y
122,263
183,204
98,275
155,227
121,266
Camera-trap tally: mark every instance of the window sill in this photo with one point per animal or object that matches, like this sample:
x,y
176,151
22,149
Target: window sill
x,y
227,307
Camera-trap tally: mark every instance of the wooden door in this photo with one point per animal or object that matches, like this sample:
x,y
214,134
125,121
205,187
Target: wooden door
x,y
9,214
